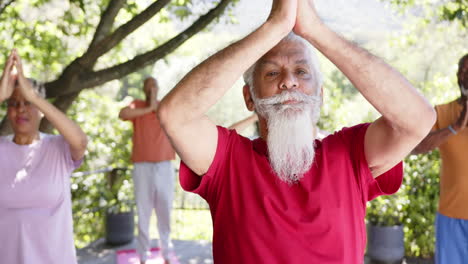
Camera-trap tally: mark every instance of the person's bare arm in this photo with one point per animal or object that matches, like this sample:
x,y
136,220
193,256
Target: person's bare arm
x,y
182,112
129,113
8,79
407,116
437,137
72,133
244,123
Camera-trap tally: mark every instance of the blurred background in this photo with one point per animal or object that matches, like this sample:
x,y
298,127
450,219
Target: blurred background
x,y
93,55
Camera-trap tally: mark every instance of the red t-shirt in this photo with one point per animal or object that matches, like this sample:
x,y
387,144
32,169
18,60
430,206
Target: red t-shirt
x,y
150,143
257,218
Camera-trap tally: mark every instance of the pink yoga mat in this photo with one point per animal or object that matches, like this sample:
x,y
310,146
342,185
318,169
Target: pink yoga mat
x,y
130,256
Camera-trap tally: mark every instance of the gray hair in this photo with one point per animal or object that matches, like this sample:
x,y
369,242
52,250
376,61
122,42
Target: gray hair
x,y
249,73
37,86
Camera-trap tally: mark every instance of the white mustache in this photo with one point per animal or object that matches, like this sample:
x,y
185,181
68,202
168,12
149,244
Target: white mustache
x,y
285,96
301,101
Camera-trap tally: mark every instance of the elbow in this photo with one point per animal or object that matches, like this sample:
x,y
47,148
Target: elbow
x,y
428,121
421,123
83,143
163,113
122,115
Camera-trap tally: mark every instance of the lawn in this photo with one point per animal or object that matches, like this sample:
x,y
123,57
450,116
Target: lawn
x,y
187,224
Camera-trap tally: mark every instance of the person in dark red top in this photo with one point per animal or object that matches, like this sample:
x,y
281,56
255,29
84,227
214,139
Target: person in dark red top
x,y
287,197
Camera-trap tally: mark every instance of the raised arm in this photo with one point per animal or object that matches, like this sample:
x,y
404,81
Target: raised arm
x,y
407,117
437,137
72,133
7,81
182,112
129,113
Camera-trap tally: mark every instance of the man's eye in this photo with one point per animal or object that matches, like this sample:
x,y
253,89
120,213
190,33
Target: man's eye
x,y
301,72
272,73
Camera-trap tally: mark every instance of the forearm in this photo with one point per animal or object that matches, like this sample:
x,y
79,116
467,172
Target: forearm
x,y
209,81
432,141
72,133
132,113
243,124
385,88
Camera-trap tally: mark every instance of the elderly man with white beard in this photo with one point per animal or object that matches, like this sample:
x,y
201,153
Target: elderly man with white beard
x,y
285,197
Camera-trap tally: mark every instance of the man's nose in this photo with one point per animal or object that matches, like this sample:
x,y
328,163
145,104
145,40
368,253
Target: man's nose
x,y
289,81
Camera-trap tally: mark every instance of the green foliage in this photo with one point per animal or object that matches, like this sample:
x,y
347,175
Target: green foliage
x,y
414,206
451,10
421,189
119,194
50,34
109,147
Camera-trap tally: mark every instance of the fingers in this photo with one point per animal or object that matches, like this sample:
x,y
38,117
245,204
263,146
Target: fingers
x,y
18,63
9,65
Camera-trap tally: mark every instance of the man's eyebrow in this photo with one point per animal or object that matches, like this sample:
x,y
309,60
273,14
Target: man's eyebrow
x,y
264,62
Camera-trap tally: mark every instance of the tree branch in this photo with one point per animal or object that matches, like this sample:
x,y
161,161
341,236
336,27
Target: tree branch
x,y
92,79
62,103
107,20
109,42
5,127
3,5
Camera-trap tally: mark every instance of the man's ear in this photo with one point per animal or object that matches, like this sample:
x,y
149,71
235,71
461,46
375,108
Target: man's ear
x,y
248,98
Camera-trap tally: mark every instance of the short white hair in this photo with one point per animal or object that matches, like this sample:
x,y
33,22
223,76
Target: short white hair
x,y
249,74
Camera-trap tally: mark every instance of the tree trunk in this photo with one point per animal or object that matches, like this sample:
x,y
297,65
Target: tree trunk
x,y
5,128
62,103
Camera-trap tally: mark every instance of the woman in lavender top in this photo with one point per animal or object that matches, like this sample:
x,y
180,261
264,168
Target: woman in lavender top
x,y
35,203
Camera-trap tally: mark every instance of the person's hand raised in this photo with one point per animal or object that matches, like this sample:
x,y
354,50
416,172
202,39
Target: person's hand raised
x,y
283,12
8,79
24,84
307,18
153,101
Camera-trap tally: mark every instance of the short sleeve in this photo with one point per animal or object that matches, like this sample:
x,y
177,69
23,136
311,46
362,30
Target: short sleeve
x,y
65,149
370,187
207,185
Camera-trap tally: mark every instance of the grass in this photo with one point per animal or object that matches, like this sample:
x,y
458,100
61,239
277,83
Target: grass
x,y
187,224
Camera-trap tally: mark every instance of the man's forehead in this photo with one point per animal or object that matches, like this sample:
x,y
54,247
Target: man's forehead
x,y
292,56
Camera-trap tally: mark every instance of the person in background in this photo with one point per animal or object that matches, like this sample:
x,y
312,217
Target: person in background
x,y
36,223
153,174
450,135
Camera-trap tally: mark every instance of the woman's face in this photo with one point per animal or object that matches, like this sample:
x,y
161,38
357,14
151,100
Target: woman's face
x,y
24,117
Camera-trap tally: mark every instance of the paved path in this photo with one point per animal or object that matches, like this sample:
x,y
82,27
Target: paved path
x,y
188,252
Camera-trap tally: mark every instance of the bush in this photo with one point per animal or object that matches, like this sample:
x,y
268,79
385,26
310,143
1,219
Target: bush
x,y
414,205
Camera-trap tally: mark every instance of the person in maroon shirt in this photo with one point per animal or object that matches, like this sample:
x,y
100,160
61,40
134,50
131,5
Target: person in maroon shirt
x,y
286,197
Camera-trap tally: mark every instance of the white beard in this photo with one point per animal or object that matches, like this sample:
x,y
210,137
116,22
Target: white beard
x,y
291,132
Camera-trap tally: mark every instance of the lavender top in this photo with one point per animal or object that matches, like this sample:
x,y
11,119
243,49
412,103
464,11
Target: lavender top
x,y
36,223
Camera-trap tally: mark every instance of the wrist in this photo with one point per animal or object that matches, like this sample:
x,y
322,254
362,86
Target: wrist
x,y
314,32
33,97
278,27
